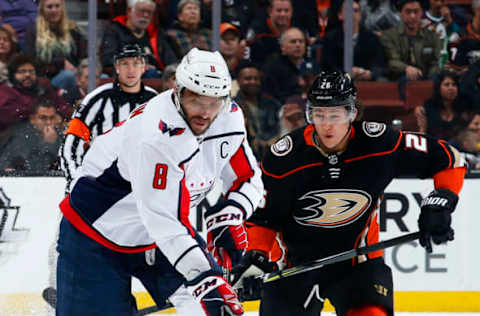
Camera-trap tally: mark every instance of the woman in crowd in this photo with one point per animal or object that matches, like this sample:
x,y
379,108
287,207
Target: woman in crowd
x,y
56,42
8,44
440,115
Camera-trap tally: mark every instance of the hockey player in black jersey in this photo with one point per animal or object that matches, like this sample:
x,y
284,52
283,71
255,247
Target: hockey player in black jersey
x,y
323,184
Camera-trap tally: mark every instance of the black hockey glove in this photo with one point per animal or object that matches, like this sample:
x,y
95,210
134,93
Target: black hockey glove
x,y
435,218
216,294
245,276
225,230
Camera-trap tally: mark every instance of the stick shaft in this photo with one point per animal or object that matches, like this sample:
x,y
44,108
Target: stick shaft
x,y
50,296
316,264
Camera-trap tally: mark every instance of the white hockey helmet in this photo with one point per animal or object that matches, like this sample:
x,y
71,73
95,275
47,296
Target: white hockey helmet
x,y
205,73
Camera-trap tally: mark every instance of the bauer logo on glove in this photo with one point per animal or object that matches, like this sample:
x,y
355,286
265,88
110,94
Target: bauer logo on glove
x,y
434,201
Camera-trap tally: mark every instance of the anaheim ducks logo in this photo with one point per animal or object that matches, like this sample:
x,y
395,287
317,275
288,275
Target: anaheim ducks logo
x,y
333,208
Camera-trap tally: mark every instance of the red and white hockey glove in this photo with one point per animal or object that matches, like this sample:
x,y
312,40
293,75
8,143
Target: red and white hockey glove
x,y
226,232
217,296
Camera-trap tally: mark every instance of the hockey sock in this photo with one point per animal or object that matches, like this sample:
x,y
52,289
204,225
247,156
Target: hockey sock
x,y
368,310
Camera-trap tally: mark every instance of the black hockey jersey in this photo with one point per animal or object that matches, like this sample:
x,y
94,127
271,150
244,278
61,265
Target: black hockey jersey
x,y
325,204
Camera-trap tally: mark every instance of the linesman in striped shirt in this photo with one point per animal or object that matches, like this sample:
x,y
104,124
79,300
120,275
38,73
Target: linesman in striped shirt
x,y
98,112
104,107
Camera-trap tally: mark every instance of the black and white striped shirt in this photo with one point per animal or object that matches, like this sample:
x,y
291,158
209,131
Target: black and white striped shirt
x,y
99,111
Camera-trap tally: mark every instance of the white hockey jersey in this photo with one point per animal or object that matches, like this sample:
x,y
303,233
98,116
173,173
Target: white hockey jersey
x,y
138,181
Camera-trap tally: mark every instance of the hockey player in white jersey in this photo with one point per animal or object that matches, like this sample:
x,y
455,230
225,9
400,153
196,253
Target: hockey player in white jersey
x,y
134,192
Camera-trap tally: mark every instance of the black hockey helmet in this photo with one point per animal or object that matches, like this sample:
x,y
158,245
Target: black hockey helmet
x,y
128,50
331,88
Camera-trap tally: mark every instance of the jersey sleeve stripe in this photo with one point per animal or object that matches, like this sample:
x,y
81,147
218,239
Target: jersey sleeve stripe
x,y
243,200
283,175
77,221
71,155
388,152
78,128
449,155
242,168
184,254
184,205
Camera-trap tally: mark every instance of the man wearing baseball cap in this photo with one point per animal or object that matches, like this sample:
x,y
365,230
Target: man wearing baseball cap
x,y
232,47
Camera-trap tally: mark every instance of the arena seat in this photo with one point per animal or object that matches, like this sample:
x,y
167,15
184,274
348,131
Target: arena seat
x,y
381,100
417,92
379,93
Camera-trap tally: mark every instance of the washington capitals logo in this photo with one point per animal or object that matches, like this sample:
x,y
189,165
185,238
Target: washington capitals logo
x,y
172,131
234,107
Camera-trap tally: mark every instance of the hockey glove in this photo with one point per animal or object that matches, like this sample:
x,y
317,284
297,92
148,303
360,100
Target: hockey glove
x,y
245,276
435,218
225,229
217,297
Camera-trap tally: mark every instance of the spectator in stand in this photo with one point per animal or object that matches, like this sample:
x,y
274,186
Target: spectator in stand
x,y
136,27
8,44
467,49
292,115
323,7
17,99
283,74
186,31
34,144
231,46
368,55
237,12
468,139
474,122
438,19
264,33
441,115
19,14
379,15
168,77
3,73
468,142
56,42
76,93
160,18
305,17
260,109
470,86
413,53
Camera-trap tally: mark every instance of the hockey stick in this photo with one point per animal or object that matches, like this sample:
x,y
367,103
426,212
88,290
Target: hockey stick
x,y
317,264
50,296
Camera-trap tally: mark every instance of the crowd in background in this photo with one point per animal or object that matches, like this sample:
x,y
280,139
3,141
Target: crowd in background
x,y
273,50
